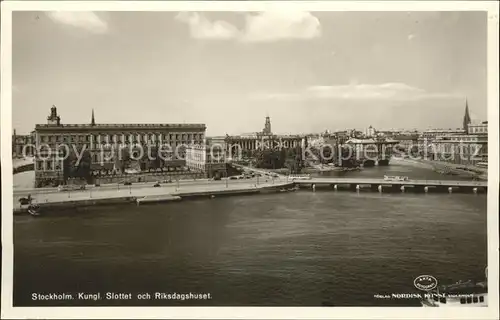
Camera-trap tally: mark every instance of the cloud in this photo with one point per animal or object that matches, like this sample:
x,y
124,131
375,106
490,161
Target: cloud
x,y
259,27
274,25
87,20
201,28
385,91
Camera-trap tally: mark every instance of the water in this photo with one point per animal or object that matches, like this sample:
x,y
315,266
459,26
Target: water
x,y
287,249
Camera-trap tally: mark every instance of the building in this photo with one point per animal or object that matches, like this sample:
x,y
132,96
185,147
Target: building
x,y
460,149
466,146
103,144
478,128
245,145
23,145
207,159
407,142
370,132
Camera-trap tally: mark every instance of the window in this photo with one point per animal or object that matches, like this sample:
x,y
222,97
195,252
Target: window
x,y
481,299
474,299
469,300
462,300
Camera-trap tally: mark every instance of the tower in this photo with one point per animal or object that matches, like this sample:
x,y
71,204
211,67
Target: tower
x,y
53,118
467,119
92,121
267,126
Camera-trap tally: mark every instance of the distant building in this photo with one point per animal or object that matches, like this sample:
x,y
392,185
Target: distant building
x,y
23,145
466,146
370,132
478,128
266,139
104,142
459,149
406,141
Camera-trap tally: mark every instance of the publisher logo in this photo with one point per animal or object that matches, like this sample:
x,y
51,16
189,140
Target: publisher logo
x,y
425,282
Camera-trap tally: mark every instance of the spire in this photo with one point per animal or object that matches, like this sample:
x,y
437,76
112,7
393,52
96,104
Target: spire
x,y
92,122
467,119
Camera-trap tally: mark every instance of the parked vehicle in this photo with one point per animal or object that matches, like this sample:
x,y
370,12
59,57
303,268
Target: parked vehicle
x,y
156,185
127,183
70,187
396,178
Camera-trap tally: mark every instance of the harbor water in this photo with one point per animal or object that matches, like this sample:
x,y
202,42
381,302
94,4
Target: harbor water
x,y
302,248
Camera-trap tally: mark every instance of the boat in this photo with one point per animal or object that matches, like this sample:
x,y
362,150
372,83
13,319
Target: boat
x,y
300,177
460,294
34,210
395,178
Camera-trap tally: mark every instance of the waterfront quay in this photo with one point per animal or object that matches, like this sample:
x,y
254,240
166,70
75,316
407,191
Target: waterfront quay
x,y
144,193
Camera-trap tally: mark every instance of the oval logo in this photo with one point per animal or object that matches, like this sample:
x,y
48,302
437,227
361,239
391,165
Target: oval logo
x,y
425,282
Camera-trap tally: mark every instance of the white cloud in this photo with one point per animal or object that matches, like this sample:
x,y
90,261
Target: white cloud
x,y
385,91
87,20
202,28
260,27
274,25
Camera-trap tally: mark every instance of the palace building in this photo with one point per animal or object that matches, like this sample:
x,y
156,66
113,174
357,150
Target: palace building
x,y
266,139
104,142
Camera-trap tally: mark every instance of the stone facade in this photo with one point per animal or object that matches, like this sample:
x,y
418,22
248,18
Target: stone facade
x,y
23,145
105,142
208,159
245,145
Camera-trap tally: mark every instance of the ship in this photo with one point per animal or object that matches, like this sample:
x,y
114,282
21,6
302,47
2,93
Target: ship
x,y
460,294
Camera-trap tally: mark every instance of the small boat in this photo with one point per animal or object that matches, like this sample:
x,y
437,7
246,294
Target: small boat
x,y
460,294
34,210
283,190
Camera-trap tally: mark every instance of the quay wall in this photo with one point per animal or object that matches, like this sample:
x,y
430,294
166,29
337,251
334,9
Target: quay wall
x,y
81,203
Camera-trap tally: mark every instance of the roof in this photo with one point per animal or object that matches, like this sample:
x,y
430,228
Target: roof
x,y
121,126
405,137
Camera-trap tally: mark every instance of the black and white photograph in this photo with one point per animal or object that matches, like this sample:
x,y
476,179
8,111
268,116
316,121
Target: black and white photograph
x,y
307,155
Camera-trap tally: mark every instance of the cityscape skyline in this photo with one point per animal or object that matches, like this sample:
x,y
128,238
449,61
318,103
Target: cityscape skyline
x,y
213,66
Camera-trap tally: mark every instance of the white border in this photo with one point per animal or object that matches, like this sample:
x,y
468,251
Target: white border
x,y
247,312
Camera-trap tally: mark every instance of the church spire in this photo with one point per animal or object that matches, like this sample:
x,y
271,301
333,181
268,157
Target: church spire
x,y
467,119
92,122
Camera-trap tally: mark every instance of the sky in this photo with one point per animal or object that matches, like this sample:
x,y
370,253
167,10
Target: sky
x,y
308,71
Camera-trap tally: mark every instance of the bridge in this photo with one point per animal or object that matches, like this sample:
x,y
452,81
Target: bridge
x,y
381,184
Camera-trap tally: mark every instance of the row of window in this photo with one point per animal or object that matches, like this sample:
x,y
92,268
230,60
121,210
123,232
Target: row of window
x,y
49,165
122,137
478,129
